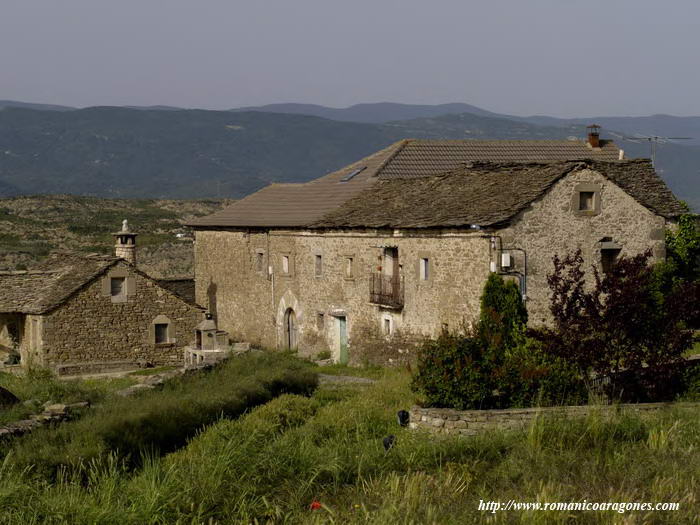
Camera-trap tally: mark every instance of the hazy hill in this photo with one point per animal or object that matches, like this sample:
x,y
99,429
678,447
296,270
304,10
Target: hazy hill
x,y
376,113
33,226
152,153
31,105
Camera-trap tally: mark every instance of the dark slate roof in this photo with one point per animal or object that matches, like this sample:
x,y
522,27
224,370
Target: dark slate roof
x,y
49,284
52,282
486,194
183,288
322,203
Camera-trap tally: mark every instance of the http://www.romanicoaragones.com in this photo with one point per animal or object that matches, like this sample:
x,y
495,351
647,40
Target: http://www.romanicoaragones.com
x,y
621,507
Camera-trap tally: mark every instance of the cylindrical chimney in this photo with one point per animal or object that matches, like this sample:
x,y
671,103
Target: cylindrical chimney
x,y
593,135
125,246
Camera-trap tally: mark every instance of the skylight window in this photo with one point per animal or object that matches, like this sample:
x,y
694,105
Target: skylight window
x,y
350,175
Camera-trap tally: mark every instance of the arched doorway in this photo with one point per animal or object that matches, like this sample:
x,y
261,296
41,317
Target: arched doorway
x,y
290,329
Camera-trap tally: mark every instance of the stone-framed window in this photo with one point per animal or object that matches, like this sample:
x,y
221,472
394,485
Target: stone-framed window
x,y
609,252
259,261
318,265
586,199
161,331
349,266
387,326
286,262
118,285
425,268
320,321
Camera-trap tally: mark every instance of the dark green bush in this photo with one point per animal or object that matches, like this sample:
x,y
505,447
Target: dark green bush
x,y
497,366
159,422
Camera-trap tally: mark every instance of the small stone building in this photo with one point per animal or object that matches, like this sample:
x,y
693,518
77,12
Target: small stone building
x,y
79,314
405,238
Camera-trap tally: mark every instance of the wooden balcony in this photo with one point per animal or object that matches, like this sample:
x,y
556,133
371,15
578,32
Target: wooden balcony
x,y
386,290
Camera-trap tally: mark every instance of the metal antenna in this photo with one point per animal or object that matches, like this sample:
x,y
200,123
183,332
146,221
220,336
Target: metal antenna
x,y
653,140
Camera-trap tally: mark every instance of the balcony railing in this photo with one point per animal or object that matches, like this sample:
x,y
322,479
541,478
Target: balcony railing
x,y
386,290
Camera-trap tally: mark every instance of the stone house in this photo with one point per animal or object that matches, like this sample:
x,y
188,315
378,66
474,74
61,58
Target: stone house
x,y
80,314
404,239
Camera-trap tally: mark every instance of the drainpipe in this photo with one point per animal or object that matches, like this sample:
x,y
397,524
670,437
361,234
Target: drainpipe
x,y
522,276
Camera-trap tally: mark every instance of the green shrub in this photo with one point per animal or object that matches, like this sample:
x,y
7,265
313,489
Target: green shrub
x,y
157,422
497,366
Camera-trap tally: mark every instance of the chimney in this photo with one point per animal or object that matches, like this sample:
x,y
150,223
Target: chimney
x,y
125,246
593,135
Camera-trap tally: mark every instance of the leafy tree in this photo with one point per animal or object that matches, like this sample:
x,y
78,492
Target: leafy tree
x,y
620,324
502,312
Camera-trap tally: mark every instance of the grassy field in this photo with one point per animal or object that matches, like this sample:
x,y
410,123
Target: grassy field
x,y
31,227
269,465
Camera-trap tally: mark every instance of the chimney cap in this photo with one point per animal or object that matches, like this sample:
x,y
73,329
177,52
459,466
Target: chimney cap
x,y
593,128
125,230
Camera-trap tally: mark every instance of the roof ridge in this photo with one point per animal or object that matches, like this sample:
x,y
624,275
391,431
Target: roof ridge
x,y
391,157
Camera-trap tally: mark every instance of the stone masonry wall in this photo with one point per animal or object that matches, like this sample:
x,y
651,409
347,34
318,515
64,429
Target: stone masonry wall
x,y
472,422
551,226
91,328
251,305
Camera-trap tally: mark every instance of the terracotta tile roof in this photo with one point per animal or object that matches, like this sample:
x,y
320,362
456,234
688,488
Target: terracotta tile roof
x,y
486,194
289,205
312,204
49,284
421,158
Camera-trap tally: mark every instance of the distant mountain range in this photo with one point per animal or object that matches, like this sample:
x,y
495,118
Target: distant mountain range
x,y
166,152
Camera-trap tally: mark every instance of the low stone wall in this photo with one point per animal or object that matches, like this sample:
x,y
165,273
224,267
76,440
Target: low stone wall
x,y
472,422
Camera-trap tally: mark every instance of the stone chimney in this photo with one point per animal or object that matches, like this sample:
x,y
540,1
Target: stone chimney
x,y
593,135
125,246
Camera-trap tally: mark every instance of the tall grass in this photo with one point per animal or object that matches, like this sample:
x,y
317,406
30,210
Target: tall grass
x,y
268,466
157,422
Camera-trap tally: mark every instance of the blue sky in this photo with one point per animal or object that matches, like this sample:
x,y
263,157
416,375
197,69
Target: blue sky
x,y
555,57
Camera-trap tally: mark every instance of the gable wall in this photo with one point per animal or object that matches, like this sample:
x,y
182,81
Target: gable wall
x,y
91,328
551,226
251,306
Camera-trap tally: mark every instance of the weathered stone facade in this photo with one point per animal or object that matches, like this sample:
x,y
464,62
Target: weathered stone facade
x,y
251,302
90,327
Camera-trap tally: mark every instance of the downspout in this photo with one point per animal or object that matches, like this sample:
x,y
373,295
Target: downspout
x,y
522,276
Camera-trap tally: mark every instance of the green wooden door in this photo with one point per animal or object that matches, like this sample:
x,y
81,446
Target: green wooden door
x,y
343,331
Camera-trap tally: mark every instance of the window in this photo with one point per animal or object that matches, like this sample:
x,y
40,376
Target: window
x,y
387,326
608,258
117,286
285,264
424,269
161,333
349,267
320,321
585,200
259,261
319,265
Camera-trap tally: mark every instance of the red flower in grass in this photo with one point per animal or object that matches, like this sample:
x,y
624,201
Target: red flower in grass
x,y
315,505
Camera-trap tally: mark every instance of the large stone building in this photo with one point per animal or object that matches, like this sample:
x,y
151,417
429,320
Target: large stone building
x,y
78,314
405,238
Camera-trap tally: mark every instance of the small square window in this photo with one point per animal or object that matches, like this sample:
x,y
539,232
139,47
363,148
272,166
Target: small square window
x,y
348,267
259,261
424,269
116,286
161,330
585,200
319,266
285,264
